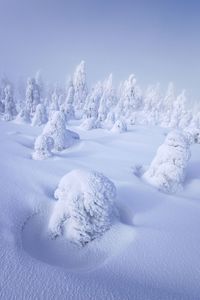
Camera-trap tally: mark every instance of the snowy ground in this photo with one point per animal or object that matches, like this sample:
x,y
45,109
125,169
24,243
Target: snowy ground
x,y
152,253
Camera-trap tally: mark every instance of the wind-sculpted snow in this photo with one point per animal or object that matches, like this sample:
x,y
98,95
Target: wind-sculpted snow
x,y
167,170
85,206
151,252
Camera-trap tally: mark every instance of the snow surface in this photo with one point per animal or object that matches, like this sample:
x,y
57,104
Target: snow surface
x,y
153,252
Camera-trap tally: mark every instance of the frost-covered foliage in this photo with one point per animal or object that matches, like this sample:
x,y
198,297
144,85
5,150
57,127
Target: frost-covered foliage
x,y
54,102
110,120
119,126
40,116
10,111
167,105
89,124
56,129
152,105
42,148
80,89
85,208
32,96
167,170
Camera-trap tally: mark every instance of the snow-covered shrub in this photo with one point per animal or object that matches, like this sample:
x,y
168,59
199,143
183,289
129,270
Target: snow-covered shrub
x,y
89,124
56,129
40,116
119,126
10,111
42,148
85,208
67,106
167,170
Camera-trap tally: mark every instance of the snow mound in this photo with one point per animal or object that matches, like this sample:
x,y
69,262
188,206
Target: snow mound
x,y
167,170
89,124
85,208
119,126
56,129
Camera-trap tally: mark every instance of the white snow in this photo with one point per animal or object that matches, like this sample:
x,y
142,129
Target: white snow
x,y
152,252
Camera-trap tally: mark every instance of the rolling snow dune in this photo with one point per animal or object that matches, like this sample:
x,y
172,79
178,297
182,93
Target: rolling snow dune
x,y
153,252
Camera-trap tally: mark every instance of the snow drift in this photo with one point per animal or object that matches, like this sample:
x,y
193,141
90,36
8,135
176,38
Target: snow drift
x,y
85,208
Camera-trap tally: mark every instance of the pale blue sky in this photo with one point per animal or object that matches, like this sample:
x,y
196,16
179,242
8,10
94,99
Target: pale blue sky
x,y
156,40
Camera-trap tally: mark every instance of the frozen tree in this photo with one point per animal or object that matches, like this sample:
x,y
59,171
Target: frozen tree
x,y
89,124
119,126
4,83
32,96
181,116
40,116
42,148
40,83
54,102
10,111
108,99
130,98
56,129
167,105
167,170
110,120
67,106
92,101
80,89
152,104
85,206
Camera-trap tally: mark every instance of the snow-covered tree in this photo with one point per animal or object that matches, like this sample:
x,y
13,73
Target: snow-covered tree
x,y
54,102
32,96
10,111
89,124
167,105
92,101
167,170
40,83
40,116
108,99
152,104
80,89
85,208
67,106
110,120
119,126
130,98
181,116
42,148
56,129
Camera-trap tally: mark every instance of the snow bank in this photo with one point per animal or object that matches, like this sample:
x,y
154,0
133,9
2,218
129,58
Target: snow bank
x,y
85,206
167,170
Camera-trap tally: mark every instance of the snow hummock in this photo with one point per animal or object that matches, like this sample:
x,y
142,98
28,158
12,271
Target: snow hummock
x,y
90,123
42,148
167,170
85,206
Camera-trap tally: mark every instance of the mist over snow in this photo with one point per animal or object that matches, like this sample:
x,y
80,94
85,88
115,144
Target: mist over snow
x,y
99,171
